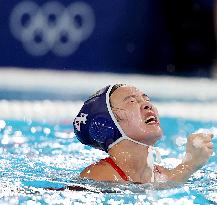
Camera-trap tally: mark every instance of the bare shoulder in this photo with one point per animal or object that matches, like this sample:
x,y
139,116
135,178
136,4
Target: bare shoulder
x,y
101,171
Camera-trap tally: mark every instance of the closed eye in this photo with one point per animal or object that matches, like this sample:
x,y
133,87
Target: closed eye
x,y
132,99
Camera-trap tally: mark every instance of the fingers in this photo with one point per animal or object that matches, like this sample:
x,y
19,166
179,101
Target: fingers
x,y
209,145
204,137
209,151
208,137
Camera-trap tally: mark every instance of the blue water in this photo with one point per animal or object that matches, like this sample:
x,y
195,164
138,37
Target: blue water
x,y
36,157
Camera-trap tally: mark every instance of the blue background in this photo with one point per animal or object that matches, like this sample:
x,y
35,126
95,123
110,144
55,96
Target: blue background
x,y
129,36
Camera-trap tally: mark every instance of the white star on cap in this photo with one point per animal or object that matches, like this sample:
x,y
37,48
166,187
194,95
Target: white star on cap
x,y
79,120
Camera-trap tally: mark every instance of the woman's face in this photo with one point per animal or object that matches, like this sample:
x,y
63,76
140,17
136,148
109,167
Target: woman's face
x,y
136,114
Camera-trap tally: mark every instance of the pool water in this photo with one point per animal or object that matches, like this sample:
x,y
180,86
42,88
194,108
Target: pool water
x,y
37,157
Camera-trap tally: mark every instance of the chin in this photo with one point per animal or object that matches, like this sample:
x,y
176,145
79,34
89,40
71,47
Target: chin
x,y
152,137
154,131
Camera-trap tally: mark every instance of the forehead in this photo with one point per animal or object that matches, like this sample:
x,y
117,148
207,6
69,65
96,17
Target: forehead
x,y
120,93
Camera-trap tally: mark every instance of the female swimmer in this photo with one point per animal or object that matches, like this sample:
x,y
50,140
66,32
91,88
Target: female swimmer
x,y
122,121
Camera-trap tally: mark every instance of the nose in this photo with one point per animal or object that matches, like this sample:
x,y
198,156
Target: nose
x,y
147,106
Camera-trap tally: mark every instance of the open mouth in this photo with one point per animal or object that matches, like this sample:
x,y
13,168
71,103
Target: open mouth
x,y
151,120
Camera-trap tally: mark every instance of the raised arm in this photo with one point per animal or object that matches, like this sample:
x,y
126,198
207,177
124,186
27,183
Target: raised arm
x,y
198,150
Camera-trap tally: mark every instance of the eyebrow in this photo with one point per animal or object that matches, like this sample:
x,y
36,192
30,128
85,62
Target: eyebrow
x,y
134,96
129,96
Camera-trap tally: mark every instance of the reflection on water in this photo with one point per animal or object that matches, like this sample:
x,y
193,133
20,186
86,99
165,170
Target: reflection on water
x,y
40,164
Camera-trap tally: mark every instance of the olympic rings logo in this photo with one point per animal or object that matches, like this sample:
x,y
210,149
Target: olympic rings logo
x,y
51,27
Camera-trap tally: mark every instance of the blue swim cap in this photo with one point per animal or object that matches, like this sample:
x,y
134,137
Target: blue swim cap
x,y
95,124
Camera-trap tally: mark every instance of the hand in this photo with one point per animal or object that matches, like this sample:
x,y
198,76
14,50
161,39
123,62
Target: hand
x,y
198,149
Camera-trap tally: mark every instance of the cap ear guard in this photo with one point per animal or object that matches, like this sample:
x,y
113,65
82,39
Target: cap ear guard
x,y
101,130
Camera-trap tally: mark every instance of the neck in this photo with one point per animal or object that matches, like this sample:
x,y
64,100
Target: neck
x,y
132,159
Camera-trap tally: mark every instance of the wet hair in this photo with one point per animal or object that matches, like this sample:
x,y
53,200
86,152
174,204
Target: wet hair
x,y
115,87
